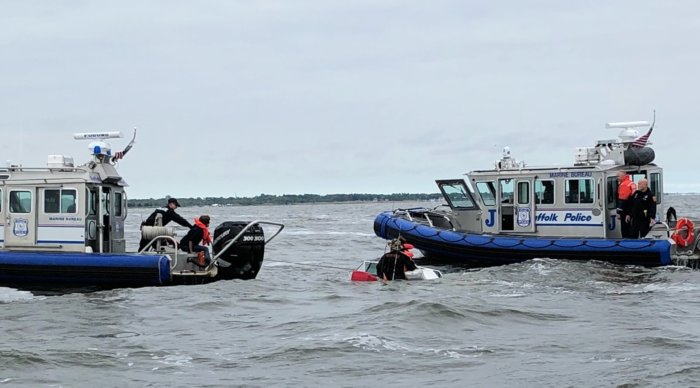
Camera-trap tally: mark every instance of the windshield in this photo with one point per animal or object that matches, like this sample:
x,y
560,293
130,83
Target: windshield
x,y
456,194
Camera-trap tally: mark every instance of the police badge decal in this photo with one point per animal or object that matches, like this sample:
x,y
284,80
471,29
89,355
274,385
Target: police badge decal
x,y
20,227
523,217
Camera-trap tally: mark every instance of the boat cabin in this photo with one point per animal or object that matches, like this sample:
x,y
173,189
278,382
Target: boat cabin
x,y
63,207
579,200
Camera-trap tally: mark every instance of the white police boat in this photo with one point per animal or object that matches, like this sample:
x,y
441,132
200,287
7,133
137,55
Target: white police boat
x,y
64,228
514,212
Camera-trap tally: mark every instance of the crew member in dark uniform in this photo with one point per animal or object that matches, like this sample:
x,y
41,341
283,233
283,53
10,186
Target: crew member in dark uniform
x,y
395,263
168,214
643,210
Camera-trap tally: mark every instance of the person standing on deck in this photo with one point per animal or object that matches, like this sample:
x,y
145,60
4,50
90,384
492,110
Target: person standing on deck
x,y
625,189
643,213
168,214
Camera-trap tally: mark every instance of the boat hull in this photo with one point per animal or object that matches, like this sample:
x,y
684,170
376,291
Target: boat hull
x,y
489,249
49,270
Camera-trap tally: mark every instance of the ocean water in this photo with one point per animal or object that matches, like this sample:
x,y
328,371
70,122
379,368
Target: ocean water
x,y
302,323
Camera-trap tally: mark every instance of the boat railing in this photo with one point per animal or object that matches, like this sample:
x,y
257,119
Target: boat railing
x,y
46,169
425,213
173,263
242,232
660,227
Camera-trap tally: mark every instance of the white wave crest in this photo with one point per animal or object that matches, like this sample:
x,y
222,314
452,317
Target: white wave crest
x,y
9,295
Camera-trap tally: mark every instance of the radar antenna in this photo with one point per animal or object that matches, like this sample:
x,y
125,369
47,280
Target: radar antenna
x,y
99,148
629,131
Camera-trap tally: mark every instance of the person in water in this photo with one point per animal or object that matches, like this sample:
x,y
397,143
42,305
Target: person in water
x,y
643,213
196,239
165,214
395,263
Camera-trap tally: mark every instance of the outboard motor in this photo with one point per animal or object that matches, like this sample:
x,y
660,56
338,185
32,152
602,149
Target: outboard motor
x,y
243,259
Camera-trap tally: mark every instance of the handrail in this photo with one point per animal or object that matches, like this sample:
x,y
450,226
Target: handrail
x,y
425,212
250,225
230,243
668,228
49,169
438,214
427,218
172,239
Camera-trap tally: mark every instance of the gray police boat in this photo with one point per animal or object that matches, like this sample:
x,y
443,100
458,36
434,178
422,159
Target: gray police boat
x,y
63,227
514,212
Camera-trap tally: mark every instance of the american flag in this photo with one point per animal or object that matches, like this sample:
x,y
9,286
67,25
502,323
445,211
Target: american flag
x,y
120,154
641,141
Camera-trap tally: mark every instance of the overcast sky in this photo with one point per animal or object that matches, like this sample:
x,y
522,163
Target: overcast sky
x,y
368,96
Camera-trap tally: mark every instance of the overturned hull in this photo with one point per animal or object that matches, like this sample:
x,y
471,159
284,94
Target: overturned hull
x,y
494,249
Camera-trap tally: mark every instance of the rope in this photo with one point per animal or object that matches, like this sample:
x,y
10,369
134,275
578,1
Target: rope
x,y
310,265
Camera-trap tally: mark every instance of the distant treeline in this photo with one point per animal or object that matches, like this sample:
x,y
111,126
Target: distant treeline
x,y
285,199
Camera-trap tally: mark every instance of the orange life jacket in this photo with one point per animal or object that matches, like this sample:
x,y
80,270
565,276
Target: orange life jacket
x,y
626,188
206,237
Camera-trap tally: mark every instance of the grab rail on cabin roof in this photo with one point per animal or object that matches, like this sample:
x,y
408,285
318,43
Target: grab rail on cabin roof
x,y
49,169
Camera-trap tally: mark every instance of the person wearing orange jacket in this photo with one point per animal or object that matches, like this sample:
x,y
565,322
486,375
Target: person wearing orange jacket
x,y
198,234
625,189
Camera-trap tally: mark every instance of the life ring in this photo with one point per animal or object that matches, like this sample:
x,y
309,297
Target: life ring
x,y
688,225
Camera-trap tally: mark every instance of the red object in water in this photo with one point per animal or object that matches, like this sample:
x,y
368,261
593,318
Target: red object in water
x,y
362,276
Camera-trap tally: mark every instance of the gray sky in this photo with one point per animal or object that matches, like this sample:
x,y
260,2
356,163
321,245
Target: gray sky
x,y
247,97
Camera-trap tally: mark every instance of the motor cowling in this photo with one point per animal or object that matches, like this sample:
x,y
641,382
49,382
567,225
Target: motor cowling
x,y
243,259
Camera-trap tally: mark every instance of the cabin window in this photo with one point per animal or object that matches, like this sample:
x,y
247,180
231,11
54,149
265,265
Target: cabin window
x,y
578,191
104,203
636,177
20,201
60,201
507,189
52,198
487,193
523,193
92,202
611,192
69,201
457,195
117,204
544,192
655,185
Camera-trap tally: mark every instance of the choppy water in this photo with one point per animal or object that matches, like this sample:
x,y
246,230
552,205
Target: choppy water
x,y
542,323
